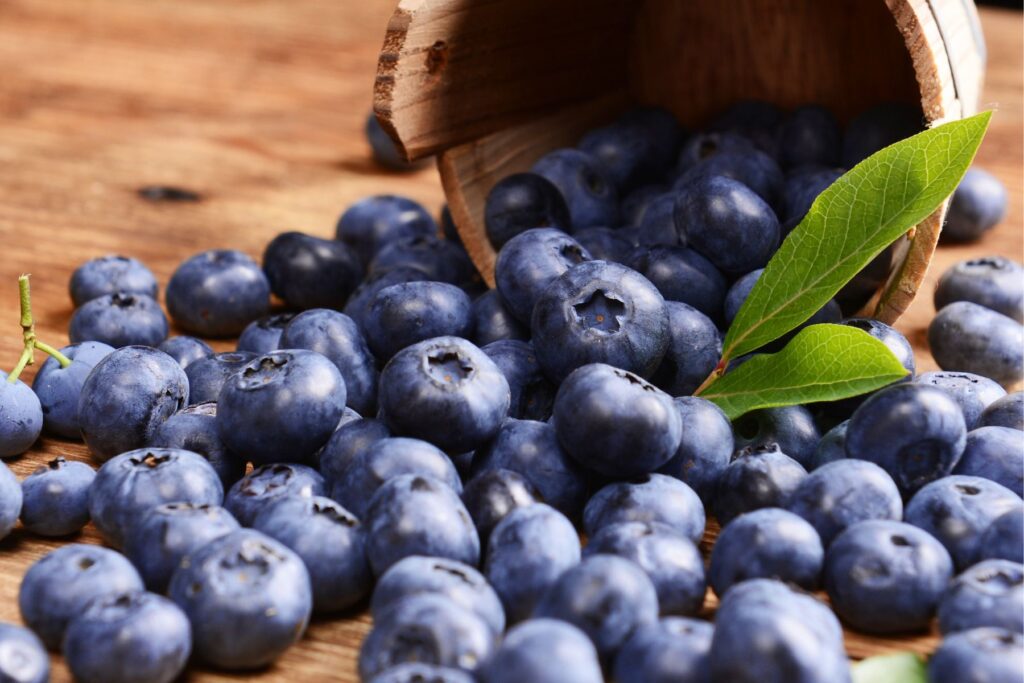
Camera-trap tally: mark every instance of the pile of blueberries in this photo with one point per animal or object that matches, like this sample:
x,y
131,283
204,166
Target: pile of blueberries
x,y
438,450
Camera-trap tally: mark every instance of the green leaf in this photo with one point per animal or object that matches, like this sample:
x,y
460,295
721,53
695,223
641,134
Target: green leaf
x,y
821,363
903,667
849,224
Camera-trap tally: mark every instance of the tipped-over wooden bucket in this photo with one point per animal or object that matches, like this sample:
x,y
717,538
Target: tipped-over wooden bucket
x,y
491,85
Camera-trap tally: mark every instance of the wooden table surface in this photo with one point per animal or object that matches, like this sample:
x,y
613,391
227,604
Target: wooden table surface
x,y
256,105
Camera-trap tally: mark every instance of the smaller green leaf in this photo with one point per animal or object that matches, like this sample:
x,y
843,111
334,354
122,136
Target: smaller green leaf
x,y
902,667
821,363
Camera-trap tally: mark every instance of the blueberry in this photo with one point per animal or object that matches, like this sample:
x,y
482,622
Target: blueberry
x,y
809,135
705,448
636,424
1004,537
415,515
995,453
893,340
658,225
113,640
298,395
681,274
586,186
967,337
441,260
184,349
989,655
738,294
311,272
23,658
704,145
195,429
791,427
1007,411
635,203
978,204
127,396
662,135
757,120
119,319
605,244
802,187
624,151
416,672
531,449
384,150
764,631
373,222
957,509
758,477
532,395
217,293
529,262
914,432
832,446
522,201
11,500
727,223
384,460
108,275
606,597
56,498
247,596
878,127
331,543
673,650
58,389
445,391
265,484
337,337
543,651
839,494
994,282
403,314
60,585
492,322
455,581
973,393
345,444
650,498
753,168
206,377
526,553
163,536
670,560
263,335
990,593
131,483
766,544
358,304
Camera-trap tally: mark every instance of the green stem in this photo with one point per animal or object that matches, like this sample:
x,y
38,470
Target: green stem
x,y
46,348
26,358
28,334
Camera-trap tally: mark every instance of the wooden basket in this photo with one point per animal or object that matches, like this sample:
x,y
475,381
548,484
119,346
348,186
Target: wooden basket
x,y
491,85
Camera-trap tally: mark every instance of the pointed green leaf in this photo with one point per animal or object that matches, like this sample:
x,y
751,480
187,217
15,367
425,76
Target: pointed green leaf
x,y
849,224
902,667
821,363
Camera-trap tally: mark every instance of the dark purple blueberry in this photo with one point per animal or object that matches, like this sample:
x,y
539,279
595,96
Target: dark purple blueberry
x,y
810,135
119,319
992,655
605,244
532,394
792,428
522,201
109,275
345,444
195,429
403,314
25,659
704,145
990,593
652,498
674,650
184,349
263,335
442,260
384,150
1007,411
492,494
756,120
55,500
995,453
59,389
658,224
589,191
543,651
695,346
208,376
681,274
966,337
977,206
706,446
529,262
311,272
265,484
878,127
758,477
753,168
373,222
217,293
491,321
973,393
995,282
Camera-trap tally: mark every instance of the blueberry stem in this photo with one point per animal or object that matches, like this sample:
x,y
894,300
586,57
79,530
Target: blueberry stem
x,y
28,333
715,374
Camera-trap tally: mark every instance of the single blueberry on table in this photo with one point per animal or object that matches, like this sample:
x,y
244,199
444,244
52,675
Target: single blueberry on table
x,y
345,444
454,581
11,500
195,429
299,397
164,535
384,150
543,651
403,314
23,658
311,272
649,498
108,275
529,262
56,498
527,551
184,349
809,135
331,543
584,183
832,446
758,477
706,446
670,560
60,585
217,293
127,396
753,168
990,593
21,417
995,453
491,321
265,484
263,335
973,393
839,494
977,206
248,598
520,202
756,120
791,427
994,282
59,388
446,391
1007,411
681,274
989,655
375,221
442,260
956,510
884,576
967,337
532,395
673,650
605,244
337,337
1004,537
206,377
131,483
128,637
878,127
915,432
119,319
766,544
634,425
492,494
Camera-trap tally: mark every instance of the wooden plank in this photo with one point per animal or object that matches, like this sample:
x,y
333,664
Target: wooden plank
x,y
258,106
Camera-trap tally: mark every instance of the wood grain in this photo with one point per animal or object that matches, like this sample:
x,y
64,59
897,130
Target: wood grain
x,y
257,105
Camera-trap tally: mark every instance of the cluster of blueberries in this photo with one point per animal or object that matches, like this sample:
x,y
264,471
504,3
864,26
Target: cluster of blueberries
x,y
437,449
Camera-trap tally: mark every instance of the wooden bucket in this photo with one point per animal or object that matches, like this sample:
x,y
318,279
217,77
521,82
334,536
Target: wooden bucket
x,y
489,86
